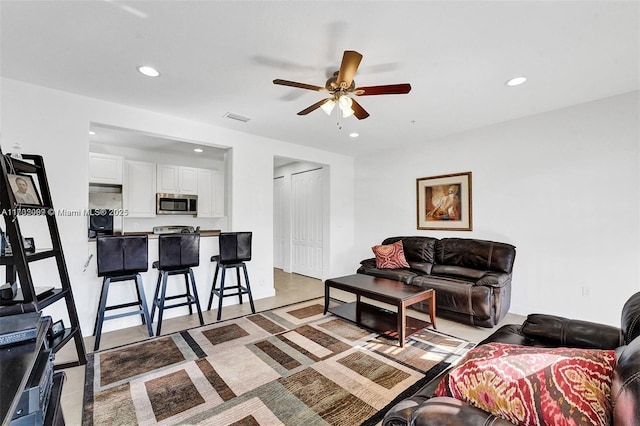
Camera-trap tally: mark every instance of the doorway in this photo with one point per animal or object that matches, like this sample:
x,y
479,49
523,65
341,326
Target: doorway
x,y
300,218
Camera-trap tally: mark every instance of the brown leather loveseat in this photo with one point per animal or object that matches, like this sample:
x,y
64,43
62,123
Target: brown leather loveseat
x,y
542,331
472,278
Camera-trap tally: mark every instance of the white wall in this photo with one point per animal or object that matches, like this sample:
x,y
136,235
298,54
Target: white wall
x,y
563,187
55,125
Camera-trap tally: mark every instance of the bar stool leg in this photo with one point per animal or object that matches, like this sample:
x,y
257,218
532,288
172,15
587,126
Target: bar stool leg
x,y
221,295
213,286
246,280
239,284
188,293
143,304
155,296
101,309
195,296
139,288
160,301
95,324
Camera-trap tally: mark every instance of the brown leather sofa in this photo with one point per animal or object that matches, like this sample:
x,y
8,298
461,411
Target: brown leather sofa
x,y
472,278
423,409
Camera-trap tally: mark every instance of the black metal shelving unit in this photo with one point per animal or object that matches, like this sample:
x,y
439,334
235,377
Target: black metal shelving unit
x,y
17,265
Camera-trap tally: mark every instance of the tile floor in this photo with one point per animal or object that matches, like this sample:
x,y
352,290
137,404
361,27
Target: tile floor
x,y
290,288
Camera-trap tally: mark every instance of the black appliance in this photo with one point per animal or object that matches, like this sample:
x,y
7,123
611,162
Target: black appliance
x,y
100,222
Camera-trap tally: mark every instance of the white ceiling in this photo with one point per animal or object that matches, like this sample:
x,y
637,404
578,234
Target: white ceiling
x,y
221,56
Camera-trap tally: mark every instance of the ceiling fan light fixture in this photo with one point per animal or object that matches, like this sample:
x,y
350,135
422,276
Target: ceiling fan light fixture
x,y
346,112
328,106
345,103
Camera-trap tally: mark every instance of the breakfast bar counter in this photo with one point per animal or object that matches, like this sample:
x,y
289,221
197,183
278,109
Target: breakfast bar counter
x,y
203,233
89,291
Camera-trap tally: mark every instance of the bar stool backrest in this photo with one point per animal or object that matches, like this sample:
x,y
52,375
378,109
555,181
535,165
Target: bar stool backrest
x,y
178,251
121,254
235,247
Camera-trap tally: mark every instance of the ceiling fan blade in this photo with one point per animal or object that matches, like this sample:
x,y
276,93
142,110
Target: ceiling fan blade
x,y
390,89
358,111
314,106
299,85
350,62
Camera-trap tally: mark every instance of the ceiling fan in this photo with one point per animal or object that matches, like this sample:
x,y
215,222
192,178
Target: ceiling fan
x,y
341,85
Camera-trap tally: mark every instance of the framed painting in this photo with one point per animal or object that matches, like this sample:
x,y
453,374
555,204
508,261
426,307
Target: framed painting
x,y
24,189
444,202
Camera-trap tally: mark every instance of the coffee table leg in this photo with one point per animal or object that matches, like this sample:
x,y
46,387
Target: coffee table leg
x,y
402,323
357,309
326,298
432,309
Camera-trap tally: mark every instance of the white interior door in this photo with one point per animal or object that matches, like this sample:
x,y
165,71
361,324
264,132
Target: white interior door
x,y
306,221
278,223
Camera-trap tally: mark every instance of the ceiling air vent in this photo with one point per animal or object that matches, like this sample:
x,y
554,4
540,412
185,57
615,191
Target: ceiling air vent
x,y
237,117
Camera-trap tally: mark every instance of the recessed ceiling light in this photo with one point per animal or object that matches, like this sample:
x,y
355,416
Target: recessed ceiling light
x,y
516,81
197,149
354,135
148,71
92,133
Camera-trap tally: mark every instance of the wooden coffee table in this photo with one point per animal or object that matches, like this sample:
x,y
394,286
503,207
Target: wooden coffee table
x,y
383,290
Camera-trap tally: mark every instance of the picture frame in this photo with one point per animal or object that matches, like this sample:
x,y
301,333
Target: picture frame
x,y
444,202
24,189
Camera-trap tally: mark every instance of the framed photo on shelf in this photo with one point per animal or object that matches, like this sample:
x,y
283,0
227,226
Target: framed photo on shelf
x,y
444,202
24,189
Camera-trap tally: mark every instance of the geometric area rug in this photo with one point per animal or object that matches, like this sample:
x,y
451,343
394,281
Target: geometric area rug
x,y
287,366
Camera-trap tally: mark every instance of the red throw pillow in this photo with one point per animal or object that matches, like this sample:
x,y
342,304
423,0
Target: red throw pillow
x,y
390,256
535,386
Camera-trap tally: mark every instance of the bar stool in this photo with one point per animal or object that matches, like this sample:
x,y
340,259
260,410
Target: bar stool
x,y
121,258
178,253
235,250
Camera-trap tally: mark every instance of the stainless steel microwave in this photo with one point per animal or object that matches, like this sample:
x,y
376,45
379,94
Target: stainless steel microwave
x,y
176,204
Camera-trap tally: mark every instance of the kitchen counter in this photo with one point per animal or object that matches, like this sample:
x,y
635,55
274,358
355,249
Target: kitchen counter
x,y
89,289
203,233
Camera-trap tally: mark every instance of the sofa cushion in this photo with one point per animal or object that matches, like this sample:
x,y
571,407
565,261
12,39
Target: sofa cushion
x,y
416,249
403,275
535,386
390,256
457,271
423,267
475,254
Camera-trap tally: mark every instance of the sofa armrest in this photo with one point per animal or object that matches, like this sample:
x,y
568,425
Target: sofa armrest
x,y
572,333
369,263
494,279
400,414
450,411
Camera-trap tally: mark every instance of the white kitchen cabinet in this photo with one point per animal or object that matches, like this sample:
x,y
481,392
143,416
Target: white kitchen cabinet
x,y
139,189
210,193
205,193
105,168
177,179
218,193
